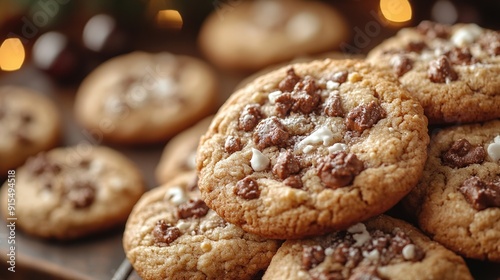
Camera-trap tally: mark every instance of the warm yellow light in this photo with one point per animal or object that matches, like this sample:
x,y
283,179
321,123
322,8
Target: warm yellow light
x,y
396,10
170,19
11,54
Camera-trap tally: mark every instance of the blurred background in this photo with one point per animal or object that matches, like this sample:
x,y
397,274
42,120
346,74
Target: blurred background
x,y
68,38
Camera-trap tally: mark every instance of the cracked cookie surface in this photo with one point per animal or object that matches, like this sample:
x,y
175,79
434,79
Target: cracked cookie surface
x,y
171,233
457,201
380,248
72,192
311,148
451,70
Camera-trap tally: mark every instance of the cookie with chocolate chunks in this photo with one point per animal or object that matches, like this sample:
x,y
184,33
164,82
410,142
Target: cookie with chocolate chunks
x,y
250,35
142,97
457,201
29,123
325,145
451,69
380,248
172,234
73,192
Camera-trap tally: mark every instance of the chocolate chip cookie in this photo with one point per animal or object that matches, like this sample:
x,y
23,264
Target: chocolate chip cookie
x,y
144,97
72,192
29,123
312,148
452,70
179,155
457,202
380,248
172,234
249,35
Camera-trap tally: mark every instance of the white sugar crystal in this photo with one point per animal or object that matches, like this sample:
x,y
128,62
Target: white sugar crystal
x,y
409,252
259,161
372,255
331,85
494,149
328,251
337,147
466,35
273,95
359,233
322,135
176,195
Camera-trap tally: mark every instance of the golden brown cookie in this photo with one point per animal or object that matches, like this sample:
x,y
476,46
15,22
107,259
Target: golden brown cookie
x,y
457,201
172,234
311,148
380,248
143,97
250,35
72,192
452,70
179,155
29,123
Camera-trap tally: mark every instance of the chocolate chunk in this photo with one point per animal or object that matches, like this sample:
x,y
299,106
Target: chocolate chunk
x,y
481,194
84,163
433,30
416,47
80,192
250,117
332,106
192,208
305,95
284,103
441,71
339,169
288,83
164,233
270,132
26,117
364,116
3,111
312,256
286,165
247,188
339,77
232,144
401,64
40,164
461,56
462,153
294,182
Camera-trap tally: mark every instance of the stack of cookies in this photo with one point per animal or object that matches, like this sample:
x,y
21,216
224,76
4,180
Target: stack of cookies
x,y
304,161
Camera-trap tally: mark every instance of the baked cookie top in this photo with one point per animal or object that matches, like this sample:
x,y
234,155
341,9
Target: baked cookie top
x,y
312,147
458,198
250,35
179,155
380,248
452,70
171,233
144,97
29,122
71,192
